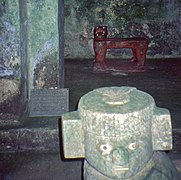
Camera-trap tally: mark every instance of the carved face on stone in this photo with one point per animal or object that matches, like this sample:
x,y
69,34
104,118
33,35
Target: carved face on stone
x,y
118,157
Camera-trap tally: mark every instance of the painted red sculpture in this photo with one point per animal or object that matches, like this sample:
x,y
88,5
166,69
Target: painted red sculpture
x,y
139,46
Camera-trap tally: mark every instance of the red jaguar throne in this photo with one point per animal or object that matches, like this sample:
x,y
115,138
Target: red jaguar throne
x,y
139,46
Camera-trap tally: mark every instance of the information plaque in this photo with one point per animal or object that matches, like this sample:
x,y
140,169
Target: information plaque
x,y
48,102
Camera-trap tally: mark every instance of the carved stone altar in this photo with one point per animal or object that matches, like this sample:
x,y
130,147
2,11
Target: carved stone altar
x,y
139,46
119,131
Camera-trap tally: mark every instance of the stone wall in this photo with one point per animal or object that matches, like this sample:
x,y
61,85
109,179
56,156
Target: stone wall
x,y
42,44
9,34
30,39
29,52
159,21
10,61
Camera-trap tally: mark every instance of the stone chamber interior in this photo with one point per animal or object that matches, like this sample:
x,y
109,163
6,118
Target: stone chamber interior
x,y
34,56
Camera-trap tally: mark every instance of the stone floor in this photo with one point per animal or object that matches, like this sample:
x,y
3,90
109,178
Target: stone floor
x,y
162,80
